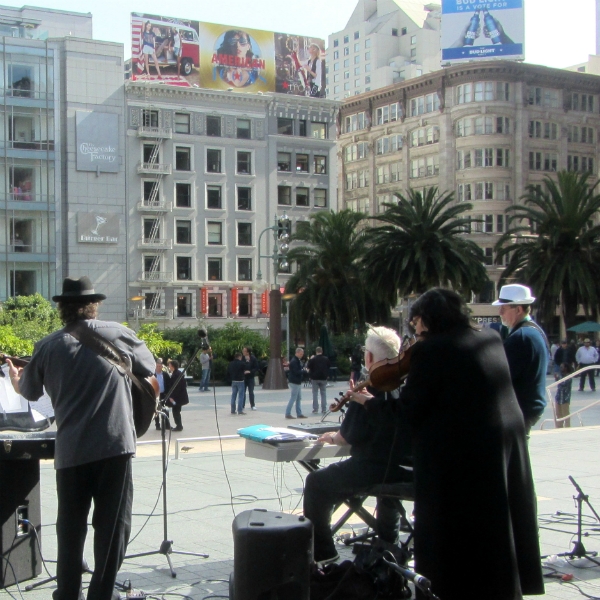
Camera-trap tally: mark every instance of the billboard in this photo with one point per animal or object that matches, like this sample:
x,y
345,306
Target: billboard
x,y
189,53
473,29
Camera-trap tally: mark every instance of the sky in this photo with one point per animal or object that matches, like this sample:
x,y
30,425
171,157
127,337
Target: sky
x,y
558,33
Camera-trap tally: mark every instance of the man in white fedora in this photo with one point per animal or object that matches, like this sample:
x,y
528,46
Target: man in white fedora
x,y
526,349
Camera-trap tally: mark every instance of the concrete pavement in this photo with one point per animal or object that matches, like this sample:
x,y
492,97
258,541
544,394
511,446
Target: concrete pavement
x,y
213,481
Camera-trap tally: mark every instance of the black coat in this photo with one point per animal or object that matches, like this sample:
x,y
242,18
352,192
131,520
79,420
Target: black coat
x,y
180,393
475,504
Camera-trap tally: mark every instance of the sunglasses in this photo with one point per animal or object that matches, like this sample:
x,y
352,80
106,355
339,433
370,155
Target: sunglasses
x,y
240,41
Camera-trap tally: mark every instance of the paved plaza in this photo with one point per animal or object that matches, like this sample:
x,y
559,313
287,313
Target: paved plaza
x,y
213,481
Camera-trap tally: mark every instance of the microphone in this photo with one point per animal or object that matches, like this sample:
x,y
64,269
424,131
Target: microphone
x,y
203,339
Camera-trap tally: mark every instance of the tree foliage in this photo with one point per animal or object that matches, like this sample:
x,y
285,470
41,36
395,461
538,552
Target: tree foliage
x,y
553,245
30,317
330,285
13,345
421,245
156,342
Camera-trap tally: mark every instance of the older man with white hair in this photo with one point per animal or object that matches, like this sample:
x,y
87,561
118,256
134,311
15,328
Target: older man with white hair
x,y
376,455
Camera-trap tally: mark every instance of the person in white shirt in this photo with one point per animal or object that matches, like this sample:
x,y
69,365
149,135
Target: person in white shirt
x,y
586,355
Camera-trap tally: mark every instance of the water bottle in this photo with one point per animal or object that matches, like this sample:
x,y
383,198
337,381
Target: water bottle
x,y
471,34
492,28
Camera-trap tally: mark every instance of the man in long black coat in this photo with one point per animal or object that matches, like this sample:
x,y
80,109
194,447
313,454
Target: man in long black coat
x,y
475,504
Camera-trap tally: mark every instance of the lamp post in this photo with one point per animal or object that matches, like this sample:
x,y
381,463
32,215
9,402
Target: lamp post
x,y
275,377
138,303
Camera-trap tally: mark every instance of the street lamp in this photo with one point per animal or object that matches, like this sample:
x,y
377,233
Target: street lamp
x,y
275,377
138,300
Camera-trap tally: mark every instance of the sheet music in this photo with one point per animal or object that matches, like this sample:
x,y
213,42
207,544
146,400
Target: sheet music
x,y
11,402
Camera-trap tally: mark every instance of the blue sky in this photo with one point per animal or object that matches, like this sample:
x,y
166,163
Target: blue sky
x,y
558,33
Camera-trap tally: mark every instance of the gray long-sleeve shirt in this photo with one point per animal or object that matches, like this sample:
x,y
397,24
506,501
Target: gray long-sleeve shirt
x,y
91,397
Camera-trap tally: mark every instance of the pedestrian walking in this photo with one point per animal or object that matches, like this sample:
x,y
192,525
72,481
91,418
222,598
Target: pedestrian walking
x,y
179,395
250,373
205,361
295,382
237,371
318,369
586,355
562,400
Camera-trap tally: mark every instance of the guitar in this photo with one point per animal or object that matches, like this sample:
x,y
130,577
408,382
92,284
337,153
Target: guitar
x,y
145,392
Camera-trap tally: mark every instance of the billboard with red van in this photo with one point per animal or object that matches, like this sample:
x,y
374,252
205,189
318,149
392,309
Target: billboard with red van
x,y
184,52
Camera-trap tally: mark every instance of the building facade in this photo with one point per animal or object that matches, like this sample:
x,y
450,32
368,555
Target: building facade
x,y
207,173
384,42
48,85
484,131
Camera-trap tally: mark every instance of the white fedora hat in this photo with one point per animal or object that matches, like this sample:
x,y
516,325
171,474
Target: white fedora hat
x,y
514,293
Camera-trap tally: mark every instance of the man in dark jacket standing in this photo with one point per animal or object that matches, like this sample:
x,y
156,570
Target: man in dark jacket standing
x,y
318,369
237,372
527,351
251,364
295,382
179,396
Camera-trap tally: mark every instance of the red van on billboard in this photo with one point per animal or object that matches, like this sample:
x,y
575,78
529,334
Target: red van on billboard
x,y
164,29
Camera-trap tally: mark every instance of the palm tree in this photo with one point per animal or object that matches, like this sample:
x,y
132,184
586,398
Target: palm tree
x,y
328,280
422,245
554,246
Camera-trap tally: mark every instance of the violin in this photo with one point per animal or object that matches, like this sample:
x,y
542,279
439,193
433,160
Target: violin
x,y
385,375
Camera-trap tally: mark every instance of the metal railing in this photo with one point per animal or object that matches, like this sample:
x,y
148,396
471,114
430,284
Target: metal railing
x,y
577,413
155,243
154,168
155,132
156,276
154,206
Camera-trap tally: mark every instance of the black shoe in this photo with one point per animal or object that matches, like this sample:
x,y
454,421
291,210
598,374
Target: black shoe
x,y
176,428
301,417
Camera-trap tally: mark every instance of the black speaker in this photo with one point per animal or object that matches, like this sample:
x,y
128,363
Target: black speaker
x,y
19,499
272,554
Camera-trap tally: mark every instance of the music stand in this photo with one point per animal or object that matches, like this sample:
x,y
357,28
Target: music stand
x,y
166,546
579,550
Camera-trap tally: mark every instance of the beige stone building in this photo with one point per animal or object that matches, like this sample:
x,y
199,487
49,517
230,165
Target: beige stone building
x,y
483,131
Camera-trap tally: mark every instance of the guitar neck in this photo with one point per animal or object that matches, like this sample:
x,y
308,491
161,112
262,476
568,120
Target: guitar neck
x,y
18,362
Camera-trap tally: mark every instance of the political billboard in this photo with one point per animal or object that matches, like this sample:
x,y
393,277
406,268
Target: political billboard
x,y
475,29
188,53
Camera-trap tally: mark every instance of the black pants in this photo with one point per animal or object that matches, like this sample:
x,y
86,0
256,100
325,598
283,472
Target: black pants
x,y
177,415
249,386
109,483
327,488
590,375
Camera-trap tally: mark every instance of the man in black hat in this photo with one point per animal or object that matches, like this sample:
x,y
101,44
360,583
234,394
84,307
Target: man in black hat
x,y
95,438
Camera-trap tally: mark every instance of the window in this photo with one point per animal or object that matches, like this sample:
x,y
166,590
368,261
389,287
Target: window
x,y
355,152
215,269
543,161
214,233
243,129
213,161
244,234
346,39
394,32
539,129
413,39
215,305
244,305
302,196
488,257
368,68
184,305
424,136
151,268
182,122
213,196
151,191
151,230
149,118
543,97
346,53
244,269
151,153
244,198
413,52
482,91
284,161
336,43
368,43
424,104
582,102
284,195
302,126
580,163
183,232
580,135
183,195
244,163
347,75
356,49
184,267
426,166
213,126
285,126
320,198
319,131
403,31
356,35
355,122
387,144
336,54
302,163
183,158
320,167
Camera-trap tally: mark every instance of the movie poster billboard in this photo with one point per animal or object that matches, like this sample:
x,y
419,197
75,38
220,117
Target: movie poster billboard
x,y
189,53
475,29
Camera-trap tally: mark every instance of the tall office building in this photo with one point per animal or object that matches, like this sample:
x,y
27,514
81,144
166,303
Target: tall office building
x,y
52,170
483,131
384,42
208,172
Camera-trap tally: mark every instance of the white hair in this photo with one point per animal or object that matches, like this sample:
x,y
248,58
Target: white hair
x,y
382,342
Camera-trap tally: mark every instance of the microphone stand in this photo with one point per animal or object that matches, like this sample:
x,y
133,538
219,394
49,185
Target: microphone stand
x,y
579,550
166,547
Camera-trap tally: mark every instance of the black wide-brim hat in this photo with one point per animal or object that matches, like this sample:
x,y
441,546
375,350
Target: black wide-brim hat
x,y
77,290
